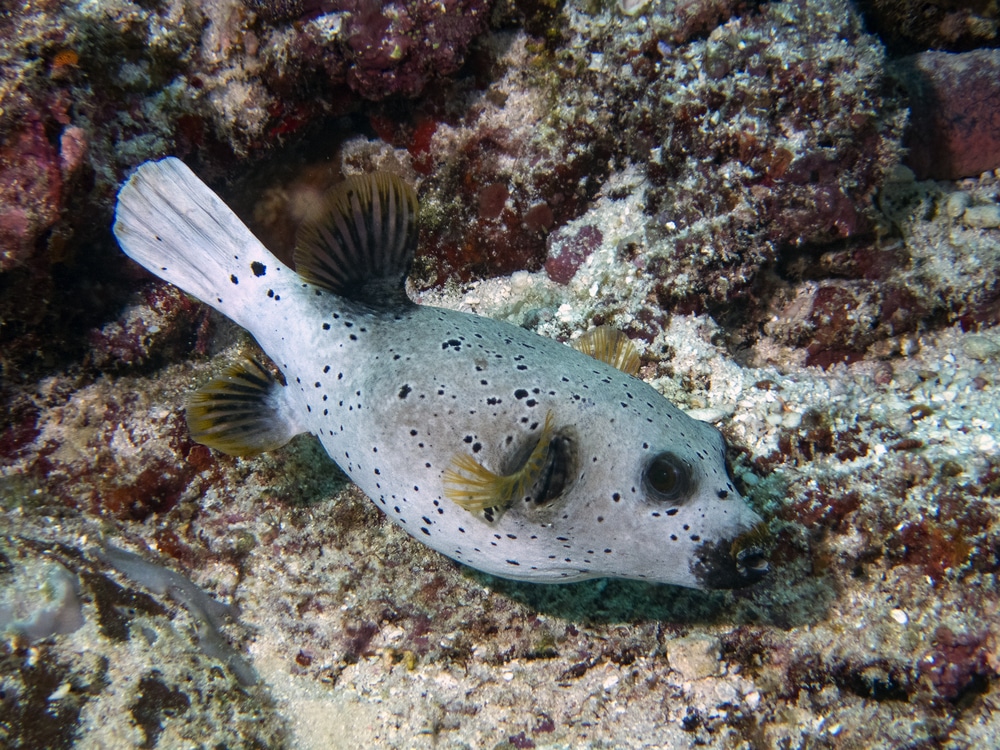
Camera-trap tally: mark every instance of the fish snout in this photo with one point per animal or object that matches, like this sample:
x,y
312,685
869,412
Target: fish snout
x,y
733,563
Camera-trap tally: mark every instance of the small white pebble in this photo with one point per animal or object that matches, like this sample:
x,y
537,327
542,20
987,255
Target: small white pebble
x,y
899,616
707,414
791,420
982,217
60,692
956,204
979,347
610,681
508,676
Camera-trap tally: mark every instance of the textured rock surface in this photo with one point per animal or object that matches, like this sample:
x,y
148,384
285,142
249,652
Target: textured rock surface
x,y
914,25
716,178
954,128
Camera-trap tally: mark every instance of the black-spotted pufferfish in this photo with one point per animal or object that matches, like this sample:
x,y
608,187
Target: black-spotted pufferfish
x,y
509,452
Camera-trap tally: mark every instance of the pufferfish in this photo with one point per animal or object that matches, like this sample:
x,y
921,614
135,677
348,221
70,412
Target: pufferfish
x,y
504,450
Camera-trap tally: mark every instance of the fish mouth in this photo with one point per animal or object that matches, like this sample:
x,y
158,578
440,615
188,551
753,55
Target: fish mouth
x,y
733,563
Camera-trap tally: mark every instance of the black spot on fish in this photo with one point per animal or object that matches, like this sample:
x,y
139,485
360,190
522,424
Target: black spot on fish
x,y
326,326
405,391
270,292
520,393
233,279
259,269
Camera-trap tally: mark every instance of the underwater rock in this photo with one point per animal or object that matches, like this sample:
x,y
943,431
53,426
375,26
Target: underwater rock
x,y
913,25
954,128
89,657
31,179
566,254
396,49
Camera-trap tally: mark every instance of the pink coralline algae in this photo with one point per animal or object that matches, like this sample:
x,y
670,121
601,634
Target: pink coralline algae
x,y
491,211
31,179
958,664
567,253
761,146
954,127
396,48
160,328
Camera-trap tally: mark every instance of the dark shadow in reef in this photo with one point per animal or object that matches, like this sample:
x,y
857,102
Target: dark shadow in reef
x,y
787,601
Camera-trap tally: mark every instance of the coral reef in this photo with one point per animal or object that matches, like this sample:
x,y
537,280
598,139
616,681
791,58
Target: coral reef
x,y
117,666
750,141
89,90
717,178
954,25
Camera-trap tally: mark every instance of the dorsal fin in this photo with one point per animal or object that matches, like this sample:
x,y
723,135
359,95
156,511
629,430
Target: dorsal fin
x,y
363,246
611,346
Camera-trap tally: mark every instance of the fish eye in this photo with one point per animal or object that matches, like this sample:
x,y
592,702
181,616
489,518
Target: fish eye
x,y
668,477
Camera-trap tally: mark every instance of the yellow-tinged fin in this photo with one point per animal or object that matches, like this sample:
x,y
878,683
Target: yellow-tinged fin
x,y
611,346
472,486
241,413
363,245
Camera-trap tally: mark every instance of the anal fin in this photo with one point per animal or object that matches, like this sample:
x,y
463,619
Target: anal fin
x,y
243,412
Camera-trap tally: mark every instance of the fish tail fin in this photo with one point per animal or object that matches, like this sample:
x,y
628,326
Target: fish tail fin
x,y
171,223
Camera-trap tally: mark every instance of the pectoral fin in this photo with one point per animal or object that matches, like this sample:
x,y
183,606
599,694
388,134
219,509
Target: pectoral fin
x,y
472,486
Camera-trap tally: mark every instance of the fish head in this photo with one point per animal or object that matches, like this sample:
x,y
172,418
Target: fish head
x,y
679,517
651,500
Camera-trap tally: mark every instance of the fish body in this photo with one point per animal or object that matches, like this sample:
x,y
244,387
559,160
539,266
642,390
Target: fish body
x,y
509,452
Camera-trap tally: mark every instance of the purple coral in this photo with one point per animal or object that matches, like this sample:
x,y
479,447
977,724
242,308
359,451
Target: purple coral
x,y
567,253
396,48
30,191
